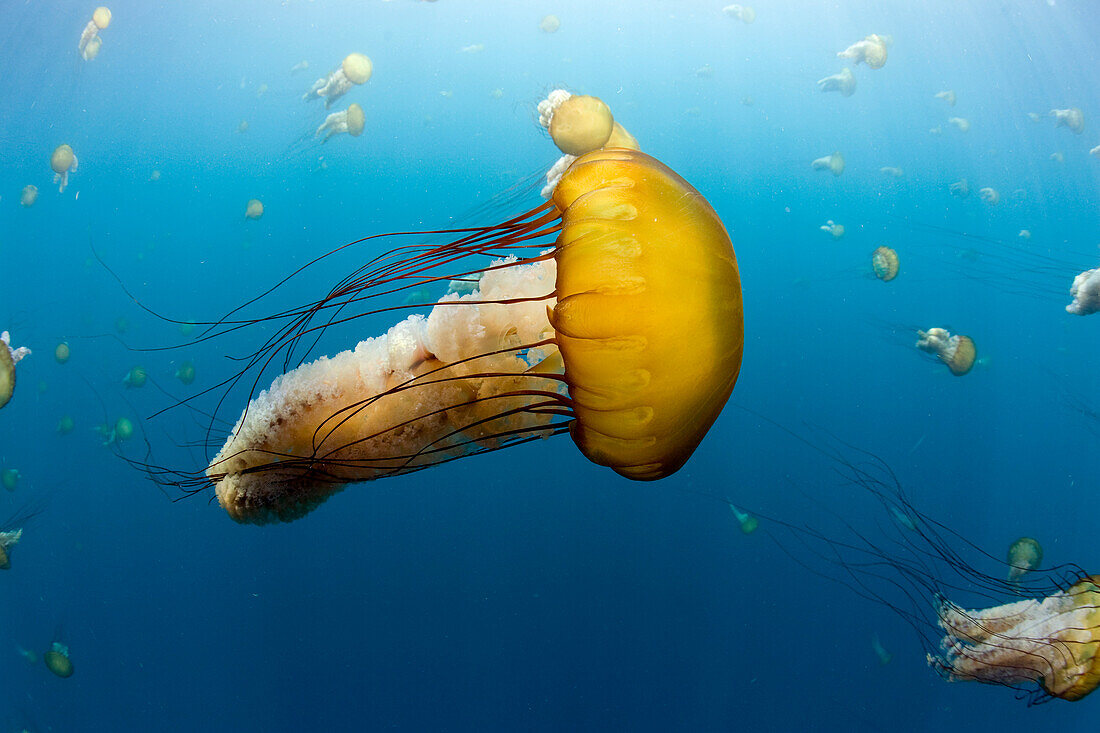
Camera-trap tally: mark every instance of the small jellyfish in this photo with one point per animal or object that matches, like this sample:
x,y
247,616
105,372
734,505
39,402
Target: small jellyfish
x,y
1024,555
891,171
243,127
355,69
154,176
63,162
472,48
705,71
989,195
578,124
1058,157
254,209
960,123
871,51
497,93
881,654
9,477
136,377
57,660
748,101
352,120
8,539
1085,292
1072,118
1053,642
937,130
89,39
957,352
28,196
65,425
549,24
29,656
743,13
884,262
122,430
748,522
300,66
1095,151
837,230
187,328
960,188
1024,234
186,372
61,353
9,357
833,163
843,82
947,96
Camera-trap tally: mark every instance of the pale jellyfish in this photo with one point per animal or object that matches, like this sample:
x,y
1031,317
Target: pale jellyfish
x,y
135,378
63,162
937,130
497,93
28,196
743,13
1058,157
29,656
549,24
1034,116
837,230
472,48
356,68
833,163
871,51
961,123
154,176
350,121
956,351
1024,555
9,357
243,127
300,66
891,171
1085,292
843,82
1024,234
960,188
254,210
705,71
989,195
89,38
8,539
883,656
1095,151
748,522
947,96
1072,118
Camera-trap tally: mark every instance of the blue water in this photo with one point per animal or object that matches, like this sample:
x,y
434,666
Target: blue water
x,y
529,589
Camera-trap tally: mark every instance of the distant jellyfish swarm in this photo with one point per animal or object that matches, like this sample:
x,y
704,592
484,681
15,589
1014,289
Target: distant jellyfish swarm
x,y
1085,292
843,82
1053,642
63,162
352,121
960,188
871,51
884,262
1072,118
743,13
355,69
989,195
833,163
956,351
947,96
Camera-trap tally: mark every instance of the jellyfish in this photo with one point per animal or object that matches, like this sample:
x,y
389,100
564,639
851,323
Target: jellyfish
x,y
350,121
65,425
300,66
28,196
9,477
135,378
626,334
472,48
937,130
748,522
8,539
956,351
578,124
871,51
549,24
837,230
743,13
9,357
884,262
242,127
947,96
355,69
89,38
881,654
959,189
63,162
1024,555
29,656
960,123
57,660
1072,118
833,163
186,372
1024,234
1095,152
989,195
843,82
61,353
1058,157
254,210
1085,292
891,171
122,430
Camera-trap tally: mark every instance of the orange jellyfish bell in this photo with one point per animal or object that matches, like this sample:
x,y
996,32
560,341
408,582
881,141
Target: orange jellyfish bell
x,y
884,261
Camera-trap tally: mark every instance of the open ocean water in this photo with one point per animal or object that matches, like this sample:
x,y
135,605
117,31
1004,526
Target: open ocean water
x,y
528,589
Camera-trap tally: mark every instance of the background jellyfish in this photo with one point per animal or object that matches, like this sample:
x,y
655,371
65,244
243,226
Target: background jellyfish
x,y
549,24
747,522
833,163
843,82
28,196
186,372
947,96
1071,118
254,209
884,262
65,425
884,657
135,378
891,171
1024,555
58,661
871,51
352,120
960,123
8,539
63,162
743,13
89,43
9,357
355,69
960,188
957,352
837,230
989,195
9,478
61,353
1085,292
1095,151
552,347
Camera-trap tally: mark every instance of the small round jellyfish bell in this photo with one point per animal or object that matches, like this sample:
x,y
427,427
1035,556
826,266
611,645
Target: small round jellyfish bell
x,y
960,123
1053,642
28,196
960,188
124,429
744,13
357,68
833,163
357,120
843,82
947,96
254,210
135,378
62,162
549,24
1024,555
956,351
1085,292
884,262
61,353
871,51
57,660
9,478
989,195
102,17
65,425
581,124
186,372
1071,118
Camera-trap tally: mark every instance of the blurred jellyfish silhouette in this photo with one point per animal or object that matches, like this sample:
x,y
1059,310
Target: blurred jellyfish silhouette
x,y
960,123
891,171
989,195
831,227
947,96
1085,292
28,196
843,82
1071,118
743,13
833,163
871,51
350,121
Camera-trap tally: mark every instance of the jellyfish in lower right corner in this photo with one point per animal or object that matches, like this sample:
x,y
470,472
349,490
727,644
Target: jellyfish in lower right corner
x,y
833,163
884,262
63,162
1024,555
1085,292
1071,118
58,661
843,82
1053,642
352,120
871,51
956,351
355,69
748,522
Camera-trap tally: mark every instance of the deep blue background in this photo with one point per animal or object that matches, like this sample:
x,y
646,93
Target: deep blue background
x,y
530,590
